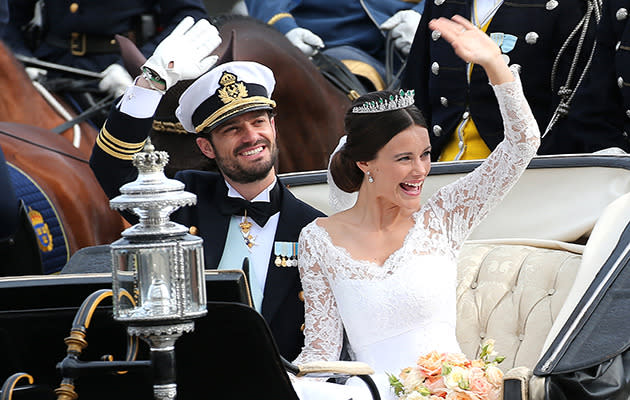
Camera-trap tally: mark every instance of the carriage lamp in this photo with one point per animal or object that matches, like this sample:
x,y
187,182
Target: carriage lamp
x,y
157,272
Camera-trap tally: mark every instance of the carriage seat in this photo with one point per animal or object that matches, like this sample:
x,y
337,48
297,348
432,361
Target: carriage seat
x,y
512,291
521,293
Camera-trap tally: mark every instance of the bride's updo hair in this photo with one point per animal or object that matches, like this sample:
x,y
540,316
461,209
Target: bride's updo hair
x,y
367,133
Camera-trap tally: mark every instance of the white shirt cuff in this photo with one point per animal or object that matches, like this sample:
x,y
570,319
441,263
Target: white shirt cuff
x,y
139,102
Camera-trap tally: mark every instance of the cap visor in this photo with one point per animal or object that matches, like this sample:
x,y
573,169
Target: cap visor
x,y
245,108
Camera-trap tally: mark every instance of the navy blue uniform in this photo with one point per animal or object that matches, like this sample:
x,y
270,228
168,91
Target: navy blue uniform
x,y
351,23
97,22
349,29
600,114
531,33
282,306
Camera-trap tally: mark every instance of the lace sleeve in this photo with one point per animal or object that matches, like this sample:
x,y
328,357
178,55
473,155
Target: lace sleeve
x,y
323,329
464,203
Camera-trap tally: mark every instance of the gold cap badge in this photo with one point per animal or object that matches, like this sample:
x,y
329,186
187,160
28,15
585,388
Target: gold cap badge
x,y
231,88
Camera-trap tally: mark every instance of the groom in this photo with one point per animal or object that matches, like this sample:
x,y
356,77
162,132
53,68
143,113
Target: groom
x,y
242,212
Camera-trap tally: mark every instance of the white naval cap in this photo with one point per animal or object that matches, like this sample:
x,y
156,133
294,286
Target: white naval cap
x,y
227,90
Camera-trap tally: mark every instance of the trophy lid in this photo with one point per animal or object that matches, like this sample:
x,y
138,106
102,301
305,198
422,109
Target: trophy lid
x,y
153,196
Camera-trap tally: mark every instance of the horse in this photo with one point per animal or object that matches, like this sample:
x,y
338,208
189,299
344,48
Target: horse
x,y
22,102
53,165
50,164
309,112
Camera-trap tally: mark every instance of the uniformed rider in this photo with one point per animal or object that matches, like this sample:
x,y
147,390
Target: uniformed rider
x,y
355,30
459,105
599,117
80,34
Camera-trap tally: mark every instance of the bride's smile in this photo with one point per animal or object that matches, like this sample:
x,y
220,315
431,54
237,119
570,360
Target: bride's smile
x,y
399,169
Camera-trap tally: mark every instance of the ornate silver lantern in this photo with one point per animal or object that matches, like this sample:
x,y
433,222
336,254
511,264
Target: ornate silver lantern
x,y
158,270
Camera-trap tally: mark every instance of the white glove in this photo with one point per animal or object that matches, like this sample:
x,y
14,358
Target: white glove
x,y
185,53
305,40
35,73
403,25
115,80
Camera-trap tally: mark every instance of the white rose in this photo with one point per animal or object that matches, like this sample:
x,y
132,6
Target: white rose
x,y
415,396
458,375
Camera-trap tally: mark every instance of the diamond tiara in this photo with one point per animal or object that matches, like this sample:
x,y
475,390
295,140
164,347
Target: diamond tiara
x,y
401,100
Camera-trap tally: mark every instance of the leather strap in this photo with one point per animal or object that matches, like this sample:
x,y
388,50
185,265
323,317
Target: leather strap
x,y
339,75
81,44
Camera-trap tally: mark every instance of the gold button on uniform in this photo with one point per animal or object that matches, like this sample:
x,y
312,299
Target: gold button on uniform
x,y
301,295
193,230
74,7
302,328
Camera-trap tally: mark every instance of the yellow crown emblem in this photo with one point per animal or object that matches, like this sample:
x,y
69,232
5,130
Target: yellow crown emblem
x,y
232,89
44,237
227,79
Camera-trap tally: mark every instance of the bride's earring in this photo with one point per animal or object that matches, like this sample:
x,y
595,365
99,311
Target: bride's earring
x,y
370,179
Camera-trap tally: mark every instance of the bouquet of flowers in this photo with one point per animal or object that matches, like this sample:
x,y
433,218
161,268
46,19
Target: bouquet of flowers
x,y
451,376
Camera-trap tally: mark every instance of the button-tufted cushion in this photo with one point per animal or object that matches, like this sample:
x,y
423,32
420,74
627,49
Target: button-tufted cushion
x,y
511,291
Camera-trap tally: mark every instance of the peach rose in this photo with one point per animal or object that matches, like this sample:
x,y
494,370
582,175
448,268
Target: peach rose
x,y
431,364
456,395
494,375
479,385
459,359
435,384
411,378
496,393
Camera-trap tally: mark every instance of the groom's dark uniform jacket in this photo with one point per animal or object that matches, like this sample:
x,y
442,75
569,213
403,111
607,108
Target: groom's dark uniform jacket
x,y
282,306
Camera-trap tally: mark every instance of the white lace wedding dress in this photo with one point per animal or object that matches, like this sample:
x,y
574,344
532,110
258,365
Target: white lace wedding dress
x,y
395,312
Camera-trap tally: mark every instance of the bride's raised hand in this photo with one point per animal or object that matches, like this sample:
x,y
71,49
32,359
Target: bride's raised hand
x,y
472,45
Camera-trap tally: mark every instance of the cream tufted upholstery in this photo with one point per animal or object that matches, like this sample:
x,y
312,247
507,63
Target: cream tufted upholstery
x,y
512,291
520,292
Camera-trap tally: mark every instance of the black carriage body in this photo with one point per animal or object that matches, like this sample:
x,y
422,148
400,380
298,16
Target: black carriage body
x,y
589,358
37,312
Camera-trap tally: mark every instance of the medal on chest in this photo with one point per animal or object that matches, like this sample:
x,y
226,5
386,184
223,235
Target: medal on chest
x,y
245,226
286,254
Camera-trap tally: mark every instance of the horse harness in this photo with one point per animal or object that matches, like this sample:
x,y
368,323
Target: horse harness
x,y
343,77
339,75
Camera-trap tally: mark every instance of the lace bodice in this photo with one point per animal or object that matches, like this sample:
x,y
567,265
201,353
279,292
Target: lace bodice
x,y
406,307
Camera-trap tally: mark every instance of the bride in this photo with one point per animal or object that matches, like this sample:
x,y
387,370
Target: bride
x,y
385,269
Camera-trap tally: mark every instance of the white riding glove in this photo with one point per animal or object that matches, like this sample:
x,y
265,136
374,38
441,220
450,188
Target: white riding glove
x,y
35,73
115,80
185,53
305,40
403,26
